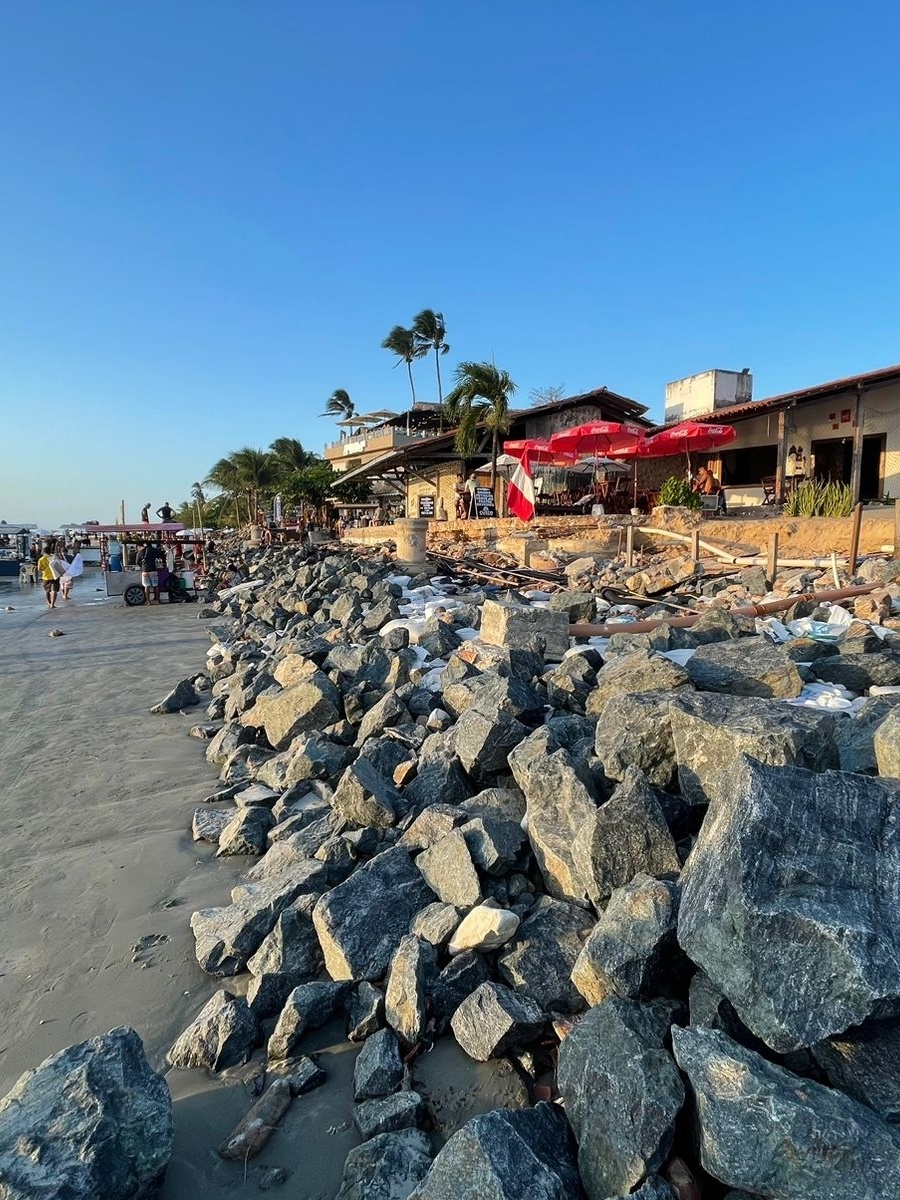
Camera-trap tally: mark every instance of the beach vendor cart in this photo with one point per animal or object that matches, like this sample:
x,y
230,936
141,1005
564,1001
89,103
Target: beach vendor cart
x,y
120,546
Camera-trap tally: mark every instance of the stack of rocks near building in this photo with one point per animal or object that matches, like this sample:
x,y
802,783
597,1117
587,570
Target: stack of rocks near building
x,y
658,896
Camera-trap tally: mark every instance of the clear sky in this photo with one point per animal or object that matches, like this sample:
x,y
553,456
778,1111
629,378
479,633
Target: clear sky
x,y
212,212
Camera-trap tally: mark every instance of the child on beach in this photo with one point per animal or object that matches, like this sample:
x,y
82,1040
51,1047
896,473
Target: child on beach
x,y
49,576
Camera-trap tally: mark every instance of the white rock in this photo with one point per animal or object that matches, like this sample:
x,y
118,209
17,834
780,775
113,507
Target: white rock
x,y
486,927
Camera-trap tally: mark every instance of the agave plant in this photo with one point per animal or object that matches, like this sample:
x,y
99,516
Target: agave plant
x,y
817,498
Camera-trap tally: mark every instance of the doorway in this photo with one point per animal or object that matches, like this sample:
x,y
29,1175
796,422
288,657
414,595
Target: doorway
x,y
834,461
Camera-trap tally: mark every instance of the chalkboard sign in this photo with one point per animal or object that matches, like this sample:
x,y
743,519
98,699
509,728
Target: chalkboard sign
x,y
484,503
426,506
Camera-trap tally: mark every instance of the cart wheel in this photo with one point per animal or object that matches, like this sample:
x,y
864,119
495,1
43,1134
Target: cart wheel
x,y
134,596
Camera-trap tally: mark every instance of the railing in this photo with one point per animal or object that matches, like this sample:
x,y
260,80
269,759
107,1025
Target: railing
x,y
368,443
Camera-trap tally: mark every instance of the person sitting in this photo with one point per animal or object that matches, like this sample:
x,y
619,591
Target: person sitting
x,y
706,484
177,588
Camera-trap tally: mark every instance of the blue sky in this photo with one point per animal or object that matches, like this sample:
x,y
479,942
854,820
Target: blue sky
x,y
211,213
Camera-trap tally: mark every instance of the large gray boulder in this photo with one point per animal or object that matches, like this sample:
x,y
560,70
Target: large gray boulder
x,y
538,961
639,672
859,672
309,1006
517,625
449,871
378,1070
222,1034
92,1122
386,1167
633,945
361,922
461,976
225,938
636,732
493,1020
622,1093
409,981
365,797
886,745
624,837
495,844
865,1063
776,1134
710,731
484,742
311,705
790,898
246,832
507,1155
288,956
745,667
559,802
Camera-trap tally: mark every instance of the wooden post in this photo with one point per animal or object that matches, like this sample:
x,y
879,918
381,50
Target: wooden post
x,y
854,539
772,559
856,467
629,546
695,546
782,455
897,529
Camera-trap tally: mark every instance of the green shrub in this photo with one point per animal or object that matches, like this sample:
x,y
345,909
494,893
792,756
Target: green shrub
x,y
815,498
677,493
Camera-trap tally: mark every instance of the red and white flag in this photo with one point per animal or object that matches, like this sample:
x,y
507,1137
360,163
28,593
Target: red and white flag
x,y
520,498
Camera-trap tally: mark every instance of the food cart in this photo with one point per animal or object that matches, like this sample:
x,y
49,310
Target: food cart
x,y
120,546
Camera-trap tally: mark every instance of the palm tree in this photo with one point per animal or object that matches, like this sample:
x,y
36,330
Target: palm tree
x,y
225,476
403,343
199,500
288,456
339,405
430,331
257,474
481,394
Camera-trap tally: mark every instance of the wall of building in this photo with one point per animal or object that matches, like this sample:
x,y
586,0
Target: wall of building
x,y
702,393
823,420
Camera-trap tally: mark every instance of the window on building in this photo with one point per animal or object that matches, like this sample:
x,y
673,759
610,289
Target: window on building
x,y
745,468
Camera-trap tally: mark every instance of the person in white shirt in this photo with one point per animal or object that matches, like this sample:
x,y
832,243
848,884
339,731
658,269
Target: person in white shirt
x,y
73,570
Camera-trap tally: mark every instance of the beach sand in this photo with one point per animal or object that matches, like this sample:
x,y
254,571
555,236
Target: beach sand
x,y
96,798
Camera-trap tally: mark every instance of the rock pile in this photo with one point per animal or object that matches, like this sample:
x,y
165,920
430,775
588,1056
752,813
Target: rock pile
x,y
635,873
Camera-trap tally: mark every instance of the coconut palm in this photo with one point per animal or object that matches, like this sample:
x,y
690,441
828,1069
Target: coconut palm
x,y
288,456
339,404
199,500
403,343
225,476
257,474
430,331
481,394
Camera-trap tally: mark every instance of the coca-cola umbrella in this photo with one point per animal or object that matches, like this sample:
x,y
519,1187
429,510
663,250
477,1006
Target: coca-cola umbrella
x,y
537,450
686,436
597,437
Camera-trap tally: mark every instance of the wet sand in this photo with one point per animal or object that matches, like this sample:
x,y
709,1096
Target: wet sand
x,y
96,798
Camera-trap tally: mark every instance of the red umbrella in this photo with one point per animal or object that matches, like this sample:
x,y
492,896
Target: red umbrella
x,y
597,437
537,450
688,436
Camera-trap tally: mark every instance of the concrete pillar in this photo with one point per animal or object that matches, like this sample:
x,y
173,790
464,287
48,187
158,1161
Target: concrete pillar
x,y
411,535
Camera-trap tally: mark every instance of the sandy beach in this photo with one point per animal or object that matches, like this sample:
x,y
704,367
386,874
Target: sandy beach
x,y
96,797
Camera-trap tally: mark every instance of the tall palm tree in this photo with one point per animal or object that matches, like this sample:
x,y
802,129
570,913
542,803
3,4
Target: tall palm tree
x,y
402,342
430,331
288,456
199,500
257,475
225,476
339,404
482,393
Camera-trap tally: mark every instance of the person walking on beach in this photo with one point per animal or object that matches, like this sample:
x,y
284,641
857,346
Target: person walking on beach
x,y
165,513
145,513
150,561
49,576
74,569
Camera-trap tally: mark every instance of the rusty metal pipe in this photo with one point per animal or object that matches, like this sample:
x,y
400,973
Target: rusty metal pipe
x,y
743,610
